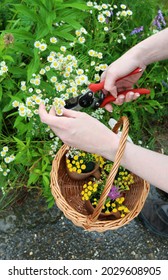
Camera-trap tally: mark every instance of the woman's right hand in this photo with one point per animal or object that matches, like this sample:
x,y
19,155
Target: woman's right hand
x,y
118,69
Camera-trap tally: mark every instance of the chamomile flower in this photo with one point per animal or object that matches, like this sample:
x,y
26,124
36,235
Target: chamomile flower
x,y
123,6
53,79
81,40
42,71
43,47
3,153
78,33
50,58
53,40
89,3
129,12
101,18
124,13
37,44
91,52
15,104
63,48
22,110
5,149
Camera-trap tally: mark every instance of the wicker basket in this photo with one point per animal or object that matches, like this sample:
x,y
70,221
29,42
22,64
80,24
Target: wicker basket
x,y
66,191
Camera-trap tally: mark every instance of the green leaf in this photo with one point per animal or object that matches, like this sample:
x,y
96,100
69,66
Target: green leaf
x,y
23,48
73,22
7,108
149,109
63,34
21,34
33,65
33,178
73,4
46,181
19,142
26,11
8,57
0,92
51,203
18,120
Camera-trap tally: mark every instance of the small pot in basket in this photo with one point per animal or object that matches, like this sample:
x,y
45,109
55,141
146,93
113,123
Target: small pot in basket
x,y
82,176
113,215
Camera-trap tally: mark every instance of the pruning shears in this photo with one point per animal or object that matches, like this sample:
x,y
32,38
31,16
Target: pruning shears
x,y
95,98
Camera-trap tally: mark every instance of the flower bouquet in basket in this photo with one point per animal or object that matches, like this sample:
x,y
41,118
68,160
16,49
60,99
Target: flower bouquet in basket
x,y
114,204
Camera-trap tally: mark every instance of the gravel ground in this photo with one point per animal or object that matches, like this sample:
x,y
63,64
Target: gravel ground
x,y
32,232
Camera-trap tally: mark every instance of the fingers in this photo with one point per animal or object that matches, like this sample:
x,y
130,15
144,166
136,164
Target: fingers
x,y
130,96
56,121
48,118
71,113
108,107
52,111
136,95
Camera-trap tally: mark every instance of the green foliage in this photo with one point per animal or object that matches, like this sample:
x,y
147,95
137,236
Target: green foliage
x,y
36,33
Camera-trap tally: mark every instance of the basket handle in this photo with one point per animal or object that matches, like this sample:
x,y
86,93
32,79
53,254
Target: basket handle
x,y
123,121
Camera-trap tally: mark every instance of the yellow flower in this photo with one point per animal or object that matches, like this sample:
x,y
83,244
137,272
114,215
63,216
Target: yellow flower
x,y
114,210
120,208
69,165
108,204
126,210
122,215
76,157
79,171
83,166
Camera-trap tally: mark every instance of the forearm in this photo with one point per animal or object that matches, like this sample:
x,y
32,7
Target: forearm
x,y
149,165
152,49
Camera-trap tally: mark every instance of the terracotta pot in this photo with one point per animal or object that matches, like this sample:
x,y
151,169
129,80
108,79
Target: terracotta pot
x,y
76,176
90,209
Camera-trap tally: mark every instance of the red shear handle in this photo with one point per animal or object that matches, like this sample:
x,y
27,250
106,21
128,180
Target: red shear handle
x,y
96,87
111,98
100,86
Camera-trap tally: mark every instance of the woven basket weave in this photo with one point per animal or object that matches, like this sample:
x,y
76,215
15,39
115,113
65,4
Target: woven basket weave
x,y
67,192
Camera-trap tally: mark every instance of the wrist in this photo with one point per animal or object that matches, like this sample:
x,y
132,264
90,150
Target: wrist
x,y
111,147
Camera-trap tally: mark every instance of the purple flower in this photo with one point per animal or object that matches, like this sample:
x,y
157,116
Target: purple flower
x,y
114,193
159,20
137,30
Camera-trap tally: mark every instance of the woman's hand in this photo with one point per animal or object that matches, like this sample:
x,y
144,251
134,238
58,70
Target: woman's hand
x,y
80,130
118,69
